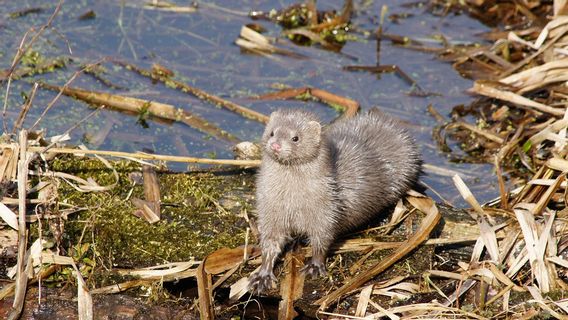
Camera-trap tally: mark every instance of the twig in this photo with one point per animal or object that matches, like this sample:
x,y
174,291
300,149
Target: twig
x,y
351,107
379,34
124,34
488,135
391,68
61,91
244,111
504,195
8,74
19,55
147,156
73,128
292,287
25,110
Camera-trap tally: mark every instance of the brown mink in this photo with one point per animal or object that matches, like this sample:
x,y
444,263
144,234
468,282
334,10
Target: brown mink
x,y
319,183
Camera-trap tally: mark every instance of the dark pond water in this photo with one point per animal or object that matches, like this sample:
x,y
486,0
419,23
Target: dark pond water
x,y
199,47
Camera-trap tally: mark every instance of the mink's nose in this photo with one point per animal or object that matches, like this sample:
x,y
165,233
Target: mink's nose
x,y
275,146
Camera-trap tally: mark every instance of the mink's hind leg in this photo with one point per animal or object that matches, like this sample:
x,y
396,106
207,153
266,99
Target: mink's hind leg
x,y
320,246
263,280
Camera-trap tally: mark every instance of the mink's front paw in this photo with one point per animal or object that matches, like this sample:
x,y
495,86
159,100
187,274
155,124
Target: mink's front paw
x,y
314,269
260,282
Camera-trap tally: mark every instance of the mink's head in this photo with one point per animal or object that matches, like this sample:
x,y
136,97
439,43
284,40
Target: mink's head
x,y
292,137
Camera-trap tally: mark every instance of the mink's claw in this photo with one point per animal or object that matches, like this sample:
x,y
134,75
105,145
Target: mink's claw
x,y
260,282
314,269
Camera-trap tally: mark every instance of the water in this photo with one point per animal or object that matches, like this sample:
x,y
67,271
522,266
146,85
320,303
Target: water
x,y
199,47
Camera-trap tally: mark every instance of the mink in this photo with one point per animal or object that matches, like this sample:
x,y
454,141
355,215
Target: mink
x,y
319,182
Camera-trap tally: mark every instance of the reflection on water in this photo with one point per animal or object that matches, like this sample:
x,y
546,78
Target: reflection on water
x,y
199,47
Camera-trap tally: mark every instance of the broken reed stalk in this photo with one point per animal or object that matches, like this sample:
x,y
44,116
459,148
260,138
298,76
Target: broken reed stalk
x,y
120,287
151,188
379,34
204,285
25,109
292,287
522,102
467,195
244,111
21,275
148,156
545,198
503,194
137,106
253,41
487,135
351,107
390,68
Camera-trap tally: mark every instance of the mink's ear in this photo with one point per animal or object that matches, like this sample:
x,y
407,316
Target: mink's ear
x,y
315,128
274,114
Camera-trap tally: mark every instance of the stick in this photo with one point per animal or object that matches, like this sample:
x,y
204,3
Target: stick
x,y
147,156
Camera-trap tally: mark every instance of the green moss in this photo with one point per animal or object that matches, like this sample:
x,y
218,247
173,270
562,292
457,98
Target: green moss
x,y
192,224
32,58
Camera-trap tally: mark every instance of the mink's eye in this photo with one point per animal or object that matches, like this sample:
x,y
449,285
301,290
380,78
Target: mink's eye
x,y
295,138
272,133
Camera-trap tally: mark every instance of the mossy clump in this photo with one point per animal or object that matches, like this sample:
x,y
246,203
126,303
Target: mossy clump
x,y
193,223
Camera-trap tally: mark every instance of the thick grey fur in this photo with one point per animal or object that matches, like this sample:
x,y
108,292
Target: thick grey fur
x,y
328,182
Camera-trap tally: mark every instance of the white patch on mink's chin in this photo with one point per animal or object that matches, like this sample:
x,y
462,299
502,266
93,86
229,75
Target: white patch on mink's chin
x,y
274,156
280,158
